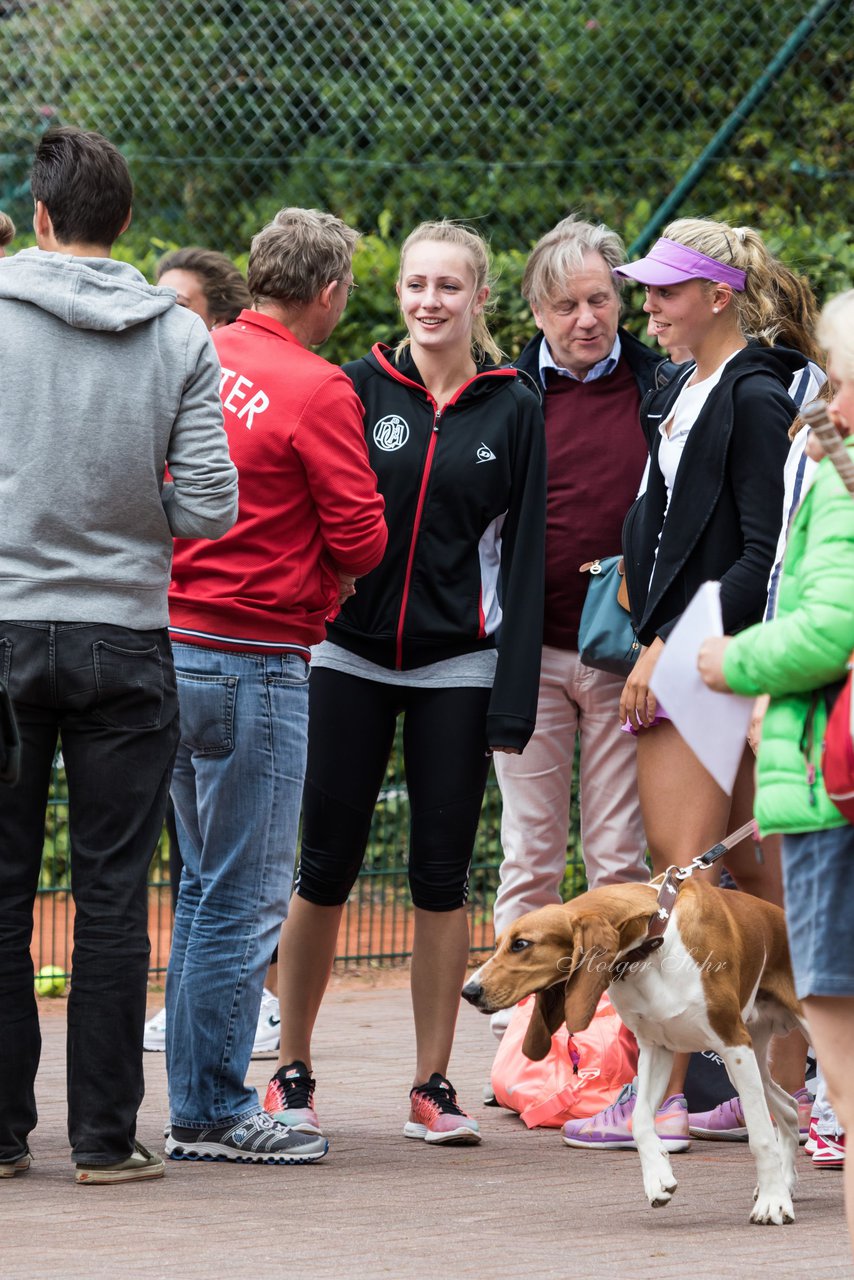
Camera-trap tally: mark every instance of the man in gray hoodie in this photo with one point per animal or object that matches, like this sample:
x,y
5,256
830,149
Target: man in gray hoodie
x,y
105,382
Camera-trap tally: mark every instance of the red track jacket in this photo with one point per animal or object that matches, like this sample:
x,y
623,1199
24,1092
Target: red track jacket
x,y
308,500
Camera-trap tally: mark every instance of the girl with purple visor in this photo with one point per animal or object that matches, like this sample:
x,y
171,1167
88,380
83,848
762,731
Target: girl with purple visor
x,y
718,441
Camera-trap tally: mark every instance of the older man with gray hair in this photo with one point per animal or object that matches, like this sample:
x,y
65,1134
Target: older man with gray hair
x,y
242,622
593,375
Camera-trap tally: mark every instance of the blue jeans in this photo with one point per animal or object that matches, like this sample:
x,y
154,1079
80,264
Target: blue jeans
x,y
818,879
109,693
237,788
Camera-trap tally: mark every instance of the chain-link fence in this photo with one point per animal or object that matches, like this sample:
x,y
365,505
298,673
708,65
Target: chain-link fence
x,y
503,113
378,921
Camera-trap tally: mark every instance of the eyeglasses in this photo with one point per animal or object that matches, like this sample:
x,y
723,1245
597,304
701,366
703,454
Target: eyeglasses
x,y
351,286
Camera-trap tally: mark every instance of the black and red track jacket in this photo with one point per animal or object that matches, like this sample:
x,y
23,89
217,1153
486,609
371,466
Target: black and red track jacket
x,y
465,505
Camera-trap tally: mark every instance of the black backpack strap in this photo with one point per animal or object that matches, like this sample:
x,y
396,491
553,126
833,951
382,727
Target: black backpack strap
x,y
666,371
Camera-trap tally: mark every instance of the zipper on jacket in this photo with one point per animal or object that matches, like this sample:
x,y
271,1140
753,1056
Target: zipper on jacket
x,y
425,477
807,744
392,371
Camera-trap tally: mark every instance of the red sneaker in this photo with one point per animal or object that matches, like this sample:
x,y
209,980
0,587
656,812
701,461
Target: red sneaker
x,y
435,1115
290,1099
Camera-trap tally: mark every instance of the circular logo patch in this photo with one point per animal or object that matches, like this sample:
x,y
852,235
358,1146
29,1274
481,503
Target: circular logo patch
x,y
391,433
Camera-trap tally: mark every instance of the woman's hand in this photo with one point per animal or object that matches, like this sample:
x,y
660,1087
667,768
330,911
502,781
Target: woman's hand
x,y
507,751
814,448
754,733
346,586
710,662
637,701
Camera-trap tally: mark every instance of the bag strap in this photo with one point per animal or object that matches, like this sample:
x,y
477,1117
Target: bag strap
x,y
594,568
538,1112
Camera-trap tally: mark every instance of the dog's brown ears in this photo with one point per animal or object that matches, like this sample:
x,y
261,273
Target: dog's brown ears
x,y
546,1017
596,945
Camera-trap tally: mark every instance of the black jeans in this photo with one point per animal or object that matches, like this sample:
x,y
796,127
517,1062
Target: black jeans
x,y
109,692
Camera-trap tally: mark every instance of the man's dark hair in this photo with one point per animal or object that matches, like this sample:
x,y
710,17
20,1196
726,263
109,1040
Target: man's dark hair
x,y
85,185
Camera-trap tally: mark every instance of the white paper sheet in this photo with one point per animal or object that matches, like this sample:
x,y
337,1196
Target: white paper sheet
x,y
714,725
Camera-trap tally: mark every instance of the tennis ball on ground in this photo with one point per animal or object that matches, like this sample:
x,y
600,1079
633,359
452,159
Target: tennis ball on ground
x,y
50,981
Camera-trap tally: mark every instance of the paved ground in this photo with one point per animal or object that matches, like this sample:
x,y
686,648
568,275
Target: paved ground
x,y
522,1204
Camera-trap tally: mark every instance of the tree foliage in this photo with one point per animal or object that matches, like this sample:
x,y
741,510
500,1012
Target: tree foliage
x,y
505,114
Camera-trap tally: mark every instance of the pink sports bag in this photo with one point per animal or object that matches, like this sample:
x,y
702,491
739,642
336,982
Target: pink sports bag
x,y
578,1076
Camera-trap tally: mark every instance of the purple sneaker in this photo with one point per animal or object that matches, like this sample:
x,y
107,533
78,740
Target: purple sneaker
x,y
804,1099
726,1123
611,1129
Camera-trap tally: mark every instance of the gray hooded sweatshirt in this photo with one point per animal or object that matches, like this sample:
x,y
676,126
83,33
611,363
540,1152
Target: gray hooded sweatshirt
x,y
105,380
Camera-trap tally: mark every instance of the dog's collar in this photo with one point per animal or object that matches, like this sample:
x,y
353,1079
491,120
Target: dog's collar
x,y
673,880
658,922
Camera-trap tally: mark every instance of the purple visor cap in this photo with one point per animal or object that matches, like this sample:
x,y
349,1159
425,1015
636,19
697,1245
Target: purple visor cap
x,y
671,263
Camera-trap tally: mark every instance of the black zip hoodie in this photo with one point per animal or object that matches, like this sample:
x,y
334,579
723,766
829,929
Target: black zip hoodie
x,y
465,506
724,516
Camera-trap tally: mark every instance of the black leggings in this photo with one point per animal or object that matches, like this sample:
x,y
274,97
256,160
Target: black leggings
x,y
350,736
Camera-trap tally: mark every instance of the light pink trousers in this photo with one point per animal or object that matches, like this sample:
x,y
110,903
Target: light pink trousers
x,y
535,792
535,789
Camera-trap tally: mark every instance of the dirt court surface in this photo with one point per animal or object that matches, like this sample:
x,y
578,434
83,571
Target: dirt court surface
x,y
520,1205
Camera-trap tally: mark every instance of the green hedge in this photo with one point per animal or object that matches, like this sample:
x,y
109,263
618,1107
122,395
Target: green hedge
x,y
372,314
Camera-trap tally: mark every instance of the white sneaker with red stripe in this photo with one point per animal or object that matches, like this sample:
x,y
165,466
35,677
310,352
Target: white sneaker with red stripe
x,y
809,1145
829,1151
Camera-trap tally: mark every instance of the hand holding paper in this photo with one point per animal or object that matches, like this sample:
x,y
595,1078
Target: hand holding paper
x,y
714,725
710,663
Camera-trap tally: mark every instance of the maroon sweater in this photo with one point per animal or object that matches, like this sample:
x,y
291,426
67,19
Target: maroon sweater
x,y
596,456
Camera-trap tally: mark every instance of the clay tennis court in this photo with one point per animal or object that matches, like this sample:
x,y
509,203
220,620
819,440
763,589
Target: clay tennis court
x,y
521,1204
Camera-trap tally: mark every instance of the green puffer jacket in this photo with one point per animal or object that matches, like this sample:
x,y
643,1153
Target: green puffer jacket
x,y
805,648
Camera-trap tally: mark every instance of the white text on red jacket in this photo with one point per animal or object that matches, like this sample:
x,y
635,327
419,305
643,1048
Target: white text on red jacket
x,y
238,401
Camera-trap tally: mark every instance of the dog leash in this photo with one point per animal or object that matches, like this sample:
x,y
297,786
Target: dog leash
x,y
717,851
673,879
